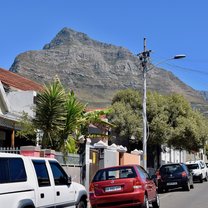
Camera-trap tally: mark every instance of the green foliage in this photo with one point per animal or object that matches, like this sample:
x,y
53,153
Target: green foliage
x,y
73,122
28,130
171,120
125,114
51,113
71,145
157,118
61,118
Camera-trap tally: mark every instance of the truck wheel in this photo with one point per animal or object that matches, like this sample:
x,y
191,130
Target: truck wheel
x,y
81,204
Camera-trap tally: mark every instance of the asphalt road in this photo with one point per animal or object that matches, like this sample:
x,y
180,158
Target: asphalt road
x,y
195,198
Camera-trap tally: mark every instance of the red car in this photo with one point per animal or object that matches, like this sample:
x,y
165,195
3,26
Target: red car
x,y
123,186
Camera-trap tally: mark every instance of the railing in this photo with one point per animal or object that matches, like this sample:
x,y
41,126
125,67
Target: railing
x,y
69,160
15,150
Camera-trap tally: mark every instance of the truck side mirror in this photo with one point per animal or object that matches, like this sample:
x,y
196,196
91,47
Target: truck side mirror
x,y
69,180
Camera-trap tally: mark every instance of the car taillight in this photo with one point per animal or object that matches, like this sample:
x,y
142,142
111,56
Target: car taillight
x,y
91,189
183,174
137,184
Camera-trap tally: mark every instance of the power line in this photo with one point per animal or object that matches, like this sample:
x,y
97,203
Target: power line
x,y
185,68
188,69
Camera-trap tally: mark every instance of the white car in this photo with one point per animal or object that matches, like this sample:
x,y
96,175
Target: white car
x,y
29,182
198,169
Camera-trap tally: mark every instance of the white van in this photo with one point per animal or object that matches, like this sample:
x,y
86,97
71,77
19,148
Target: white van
x,y
29,182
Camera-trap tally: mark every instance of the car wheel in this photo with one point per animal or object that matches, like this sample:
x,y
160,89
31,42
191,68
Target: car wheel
x,y
81,204
166,190
187,187
201,179
146,202
160,190
156,203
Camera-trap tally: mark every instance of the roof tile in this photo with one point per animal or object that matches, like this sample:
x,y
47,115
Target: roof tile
x,y
14,80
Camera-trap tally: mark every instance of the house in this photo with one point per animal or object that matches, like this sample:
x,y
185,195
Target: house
x,y
16,96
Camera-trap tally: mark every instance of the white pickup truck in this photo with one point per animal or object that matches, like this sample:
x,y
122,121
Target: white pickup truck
x,y
29,182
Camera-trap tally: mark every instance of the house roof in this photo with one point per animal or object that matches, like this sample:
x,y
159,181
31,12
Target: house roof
x,y
19,82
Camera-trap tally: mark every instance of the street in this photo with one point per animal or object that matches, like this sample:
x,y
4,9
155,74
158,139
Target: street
x,y
196,198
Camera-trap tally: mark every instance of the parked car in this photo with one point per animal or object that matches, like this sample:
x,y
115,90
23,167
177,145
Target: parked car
x,y
29,182
198,169
174,175
123,186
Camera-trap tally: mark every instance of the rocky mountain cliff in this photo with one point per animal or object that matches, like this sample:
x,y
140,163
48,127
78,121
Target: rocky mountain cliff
x,y
95,70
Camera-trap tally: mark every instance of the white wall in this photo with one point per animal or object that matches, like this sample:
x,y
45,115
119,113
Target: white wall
x,y
20,101
111,158
173,156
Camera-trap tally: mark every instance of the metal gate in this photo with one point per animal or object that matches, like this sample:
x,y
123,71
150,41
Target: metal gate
x,y
94,165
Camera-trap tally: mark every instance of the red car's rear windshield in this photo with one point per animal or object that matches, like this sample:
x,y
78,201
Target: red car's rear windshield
x,y
114,173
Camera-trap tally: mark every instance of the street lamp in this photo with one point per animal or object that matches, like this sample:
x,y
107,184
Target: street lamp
x,y
145,58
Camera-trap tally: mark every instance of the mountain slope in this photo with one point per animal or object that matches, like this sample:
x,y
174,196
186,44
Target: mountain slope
x,y
95,70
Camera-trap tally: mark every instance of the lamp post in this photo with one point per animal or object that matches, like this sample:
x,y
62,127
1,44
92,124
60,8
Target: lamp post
x,y
145,59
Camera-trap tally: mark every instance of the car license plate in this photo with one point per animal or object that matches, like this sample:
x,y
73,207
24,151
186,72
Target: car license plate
x,y
113,188
172,183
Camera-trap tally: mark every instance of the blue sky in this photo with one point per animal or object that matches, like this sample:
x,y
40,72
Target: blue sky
x,y
170,27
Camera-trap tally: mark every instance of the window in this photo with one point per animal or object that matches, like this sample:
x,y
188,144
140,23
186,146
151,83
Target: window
x,y
60,177
41,172
193,166
143,174
115,173
12,170
202,165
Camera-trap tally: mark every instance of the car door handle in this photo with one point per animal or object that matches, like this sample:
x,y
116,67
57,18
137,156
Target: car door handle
x,y
57,193
41,195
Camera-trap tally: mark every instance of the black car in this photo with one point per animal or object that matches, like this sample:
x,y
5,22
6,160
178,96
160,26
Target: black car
x,y
174,175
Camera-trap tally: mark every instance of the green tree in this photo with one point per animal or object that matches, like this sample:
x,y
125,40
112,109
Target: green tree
x,y
170,120
73,122
125,114
28,130
51,113
185,124
61,118
98,118
157,119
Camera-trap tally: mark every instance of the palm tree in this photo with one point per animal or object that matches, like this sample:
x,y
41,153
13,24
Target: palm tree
x,y
51,113
62,118
74,119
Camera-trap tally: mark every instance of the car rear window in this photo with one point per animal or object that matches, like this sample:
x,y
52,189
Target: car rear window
x,y
114,173
170,169
193,166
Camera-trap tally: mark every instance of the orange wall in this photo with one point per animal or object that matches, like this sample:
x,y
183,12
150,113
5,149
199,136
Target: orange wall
x,y
127,158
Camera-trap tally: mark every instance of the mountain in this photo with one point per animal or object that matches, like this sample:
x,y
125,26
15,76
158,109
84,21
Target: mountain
x,y
95,71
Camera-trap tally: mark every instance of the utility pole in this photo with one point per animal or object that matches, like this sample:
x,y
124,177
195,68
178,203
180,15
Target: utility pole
x,y
144,58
